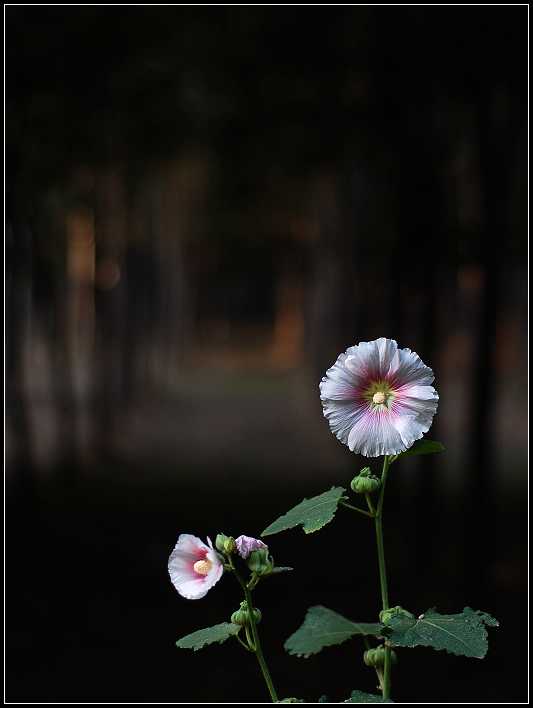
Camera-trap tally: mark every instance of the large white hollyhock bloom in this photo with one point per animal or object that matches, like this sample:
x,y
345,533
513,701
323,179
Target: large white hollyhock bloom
x,y
194,567
378,399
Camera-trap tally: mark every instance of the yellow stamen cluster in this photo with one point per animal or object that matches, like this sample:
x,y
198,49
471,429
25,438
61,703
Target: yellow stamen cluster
x,y
378,397
202,567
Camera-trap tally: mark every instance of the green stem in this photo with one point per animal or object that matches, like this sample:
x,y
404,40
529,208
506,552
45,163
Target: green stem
x,y
244,644
383,573
370,505
257,649
356,508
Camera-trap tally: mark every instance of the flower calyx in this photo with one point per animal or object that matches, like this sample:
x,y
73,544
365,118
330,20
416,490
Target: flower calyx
x,y
225,544
260,562
385,616
365,482
242,615
376,657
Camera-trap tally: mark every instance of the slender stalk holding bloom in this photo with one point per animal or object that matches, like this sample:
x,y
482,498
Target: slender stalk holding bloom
x,y
378,399
254,643
194,567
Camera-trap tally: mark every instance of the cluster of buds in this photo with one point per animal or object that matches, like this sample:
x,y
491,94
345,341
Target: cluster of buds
x,y
365,482
376,657
242,615
252,550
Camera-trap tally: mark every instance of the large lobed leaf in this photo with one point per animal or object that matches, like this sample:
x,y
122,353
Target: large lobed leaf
x,y
218,633
312,514
362,697
463,634
324,628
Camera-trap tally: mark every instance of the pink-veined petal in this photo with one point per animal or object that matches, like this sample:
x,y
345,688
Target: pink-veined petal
x,y
374,435
186,580
405,381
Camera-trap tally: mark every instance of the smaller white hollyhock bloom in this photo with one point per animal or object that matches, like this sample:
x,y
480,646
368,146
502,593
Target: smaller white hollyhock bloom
x,y
378,399
247,544
194,567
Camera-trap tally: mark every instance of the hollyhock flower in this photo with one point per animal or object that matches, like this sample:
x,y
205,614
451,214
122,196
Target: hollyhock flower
x,y
247,544
194,567
378,399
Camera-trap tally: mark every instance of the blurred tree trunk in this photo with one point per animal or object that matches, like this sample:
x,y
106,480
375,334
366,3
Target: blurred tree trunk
x,y
17,309
499,127
109,307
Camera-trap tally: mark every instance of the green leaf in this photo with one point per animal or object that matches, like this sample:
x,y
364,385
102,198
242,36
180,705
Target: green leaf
x,y
361,697
312,513
421,447
280,569
463,634
324,628
218,633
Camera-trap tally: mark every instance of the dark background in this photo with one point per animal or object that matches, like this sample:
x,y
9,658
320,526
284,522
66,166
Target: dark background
x,y
205,206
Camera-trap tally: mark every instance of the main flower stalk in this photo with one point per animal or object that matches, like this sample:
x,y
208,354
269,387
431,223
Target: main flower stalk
x,y
256,648
378,521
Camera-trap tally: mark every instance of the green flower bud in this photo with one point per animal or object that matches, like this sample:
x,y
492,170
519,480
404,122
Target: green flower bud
x,y
260,562
376,657
242,617
386,615
225,544
365,484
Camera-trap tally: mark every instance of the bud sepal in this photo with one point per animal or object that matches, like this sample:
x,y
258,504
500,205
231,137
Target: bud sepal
x,y
386,615
376,657
365,482
242,615
260,562
225,544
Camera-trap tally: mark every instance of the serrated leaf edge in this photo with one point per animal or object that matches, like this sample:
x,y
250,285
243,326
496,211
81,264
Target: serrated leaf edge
x,y
305,528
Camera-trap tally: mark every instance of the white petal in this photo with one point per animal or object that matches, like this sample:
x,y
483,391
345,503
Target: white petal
x,y
187,543
342,416
387,349
339,383
411,428
214,574
420,408
194,589
363,359
408,368
414,415
425,393
374,435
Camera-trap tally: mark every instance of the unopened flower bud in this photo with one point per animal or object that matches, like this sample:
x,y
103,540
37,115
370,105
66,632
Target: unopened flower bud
x,y
260,562
242,616
225,544
386,615
247,544
376,657
365,484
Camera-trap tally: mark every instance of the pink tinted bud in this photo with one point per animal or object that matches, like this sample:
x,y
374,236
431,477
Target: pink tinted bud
x,y
247,544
